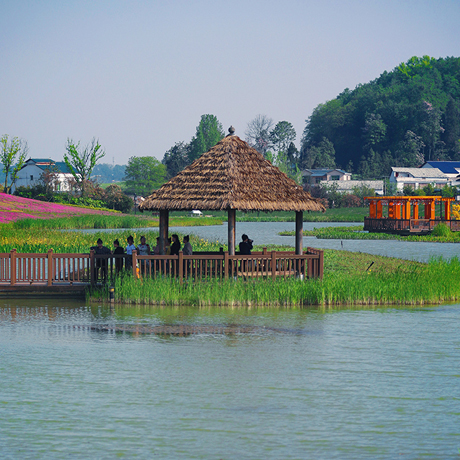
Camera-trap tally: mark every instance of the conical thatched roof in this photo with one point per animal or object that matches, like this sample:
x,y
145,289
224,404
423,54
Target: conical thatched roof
x,y
231,175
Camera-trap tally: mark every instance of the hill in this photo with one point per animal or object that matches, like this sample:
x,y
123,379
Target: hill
x,y
13,208
402,118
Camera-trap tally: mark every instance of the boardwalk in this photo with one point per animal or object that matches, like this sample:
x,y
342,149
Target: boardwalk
x,y
78,271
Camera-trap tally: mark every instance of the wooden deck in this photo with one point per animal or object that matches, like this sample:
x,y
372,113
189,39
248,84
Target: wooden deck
x,y
51,272
407,226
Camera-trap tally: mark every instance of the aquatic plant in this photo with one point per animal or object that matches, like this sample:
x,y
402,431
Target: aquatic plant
x,y
421,284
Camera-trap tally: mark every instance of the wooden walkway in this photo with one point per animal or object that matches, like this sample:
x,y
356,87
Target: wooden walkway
x,y
72,273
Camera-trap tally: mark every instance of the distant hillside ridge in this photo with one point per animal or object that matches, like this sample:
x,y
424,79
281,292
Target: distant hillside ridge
x,y
403,118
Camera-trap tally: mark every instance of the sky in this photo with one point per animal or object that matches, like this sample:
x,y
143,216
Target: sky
x,y
138,75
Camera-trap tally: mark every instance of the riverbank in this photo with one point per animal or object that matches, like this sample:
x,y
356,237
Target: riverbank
x,y
349,279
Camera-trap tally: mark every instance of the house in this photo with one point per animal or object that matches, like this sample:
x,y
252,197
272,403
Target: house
x,y
315,176
418,177
32,172
347,186
450,168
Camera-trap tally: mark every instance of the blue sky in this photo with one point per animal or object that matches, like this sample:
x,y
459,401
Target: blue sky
x,y
138,75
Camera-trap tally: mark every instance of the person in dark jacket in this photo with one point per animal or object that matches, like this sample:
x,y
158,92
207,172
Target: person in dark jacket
x,y
101,263
118,251
175,246
245,245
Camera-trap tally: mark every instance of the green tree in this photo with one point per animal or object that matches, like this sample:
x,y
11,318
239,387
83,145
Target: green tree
x,y
208,133
321,155
143,175
12,156
82,162
451,135
282,135
176,158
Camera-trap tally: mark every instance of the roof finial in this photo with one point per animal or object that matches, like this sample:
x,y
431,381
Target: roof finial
x,y
231,131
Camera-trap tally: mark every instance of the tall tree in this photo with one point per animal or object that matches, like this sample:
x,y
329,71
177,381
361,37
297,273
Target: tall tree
x,y
81,162
451,135
176,158
282,135
208,133
14,151
143,175
258,133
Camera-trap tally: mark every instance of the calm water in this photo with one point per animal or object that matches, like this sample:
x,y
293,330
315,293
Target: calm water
x,y
344,384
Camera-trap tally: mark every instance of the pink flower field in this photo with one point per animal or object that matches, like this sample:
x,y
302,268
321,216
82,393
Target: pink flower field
x,y
14,208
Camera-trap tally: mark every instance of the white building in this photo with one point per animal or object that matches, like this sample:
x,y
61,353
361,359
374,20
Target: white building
x,y
31,174
418,177
347,186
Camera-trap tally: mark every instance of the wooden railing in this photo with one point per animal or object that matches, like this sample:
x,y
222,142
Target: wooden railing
x,y
407,225
53,269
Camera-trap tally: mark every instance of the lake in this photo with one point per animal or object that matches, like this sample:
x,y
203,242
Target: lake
x,y
368,383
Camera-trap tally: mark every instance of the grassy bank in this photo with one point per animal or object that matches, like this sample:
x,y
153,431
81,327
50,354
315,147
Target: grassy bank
x,y
111,221
441,234
412,284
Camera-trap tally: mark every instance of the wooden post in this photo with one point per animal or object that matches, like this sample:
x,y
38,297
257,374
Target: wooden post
x,y
50,267
226,262
231,231
13,266
134,262
181,266
298,232
92,267
274,265
447,210
164,224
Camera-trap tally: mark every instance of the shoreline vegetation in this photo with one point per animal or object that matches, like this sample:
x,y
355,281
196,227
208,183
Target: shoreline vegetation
x,y
440,234
386,282
349,278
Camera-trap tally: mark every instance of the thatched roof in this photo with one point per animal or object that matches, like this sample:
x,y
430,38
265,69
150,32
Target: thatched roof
x,y
231,175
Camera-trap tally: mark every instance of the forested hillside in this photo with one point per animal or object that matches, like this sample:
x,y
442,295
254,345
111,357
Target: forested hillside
x,y
403,118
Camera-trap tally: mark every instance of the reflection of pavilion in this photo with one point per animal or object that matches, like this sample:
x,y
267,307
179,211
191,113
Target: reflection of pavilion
x,y
409,214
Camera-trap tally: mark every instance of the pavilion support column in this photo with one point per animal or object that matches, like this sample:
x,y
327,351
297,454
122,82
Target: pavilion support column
x,y
298,232
164,224
231,231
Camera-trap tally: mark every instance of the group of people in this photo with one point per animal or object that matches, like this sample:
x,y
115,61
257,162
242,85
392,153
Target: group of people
x,y
172,247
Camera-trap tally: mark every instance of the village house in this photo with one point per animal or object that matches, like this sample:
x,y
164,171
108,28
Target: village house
x,y
32,173
315,176
450,168
418,177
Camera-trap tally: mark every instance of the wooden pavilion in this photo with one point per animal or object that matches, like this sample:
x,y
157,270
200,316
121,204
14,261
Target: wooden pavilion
x,y
231,176
405,214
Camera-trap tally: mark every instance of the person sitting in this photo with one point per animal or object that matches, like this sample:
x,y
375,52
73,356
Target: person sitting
x,y
175,247
187,250
143,250
129,251
101,262
156,249
245,245
187,246
118,251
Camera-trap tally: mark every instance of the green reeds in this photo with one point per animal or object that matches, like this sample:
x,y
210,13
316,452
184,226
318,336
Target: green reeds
x,y
423,284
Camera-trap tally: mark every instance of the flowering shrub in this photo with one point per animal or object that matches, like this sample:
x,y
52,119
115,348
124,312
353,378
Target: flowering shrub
x,y
13,208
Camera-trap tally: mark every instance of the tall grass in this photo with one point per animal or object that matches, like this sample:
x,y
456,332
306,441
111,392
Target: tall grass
x,y
105,222
425,284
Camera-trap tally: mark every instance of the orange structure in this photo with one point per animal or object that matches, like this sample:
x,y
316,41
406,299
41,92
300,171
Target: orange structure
x,y
402,214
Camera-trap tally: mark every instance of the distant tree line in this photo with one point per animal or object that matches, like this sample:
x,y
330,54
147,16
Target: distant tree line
x,y
403,118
